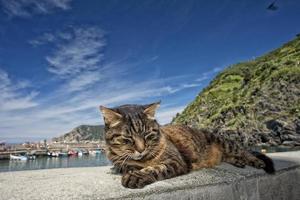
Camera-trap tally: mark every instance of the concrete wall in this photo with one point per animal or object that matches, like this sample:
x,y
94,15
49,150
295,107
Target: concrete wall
x,y
281,186
224,182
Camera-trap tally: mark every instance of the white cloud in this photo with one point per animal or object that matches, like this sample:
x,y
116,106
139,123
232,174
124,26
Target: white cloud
x,y
81,52
202,78
43,39
76,56
174,89
207,75
82,81
27,8
166,115
12,97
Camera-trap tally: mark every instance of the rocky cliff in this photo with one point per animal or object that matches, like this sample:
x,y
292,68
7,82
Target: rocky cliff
x,y
258,99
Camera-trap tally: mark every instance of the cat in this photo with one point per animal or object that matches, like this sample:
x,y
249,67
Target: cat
x,y
145,152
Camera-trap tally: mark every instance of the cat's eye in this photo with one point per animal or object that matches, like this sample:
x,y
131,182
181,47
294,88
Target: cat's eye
x,y
151,136
127,141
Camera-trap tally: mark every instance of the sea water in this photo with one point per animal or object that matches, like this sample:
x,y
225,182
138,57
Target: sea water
x,y
44,162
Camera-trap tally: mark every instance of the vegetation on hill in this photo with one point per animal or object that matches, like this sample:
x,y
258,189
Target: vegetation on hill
x,y
260,98
83,133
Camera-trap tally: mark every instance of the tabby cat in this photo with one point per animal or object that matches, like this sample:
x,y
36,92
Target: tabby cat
x,y
145,152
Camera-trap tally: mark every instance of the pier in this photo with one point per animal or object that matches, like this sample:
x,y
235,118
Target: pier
x,y
52,148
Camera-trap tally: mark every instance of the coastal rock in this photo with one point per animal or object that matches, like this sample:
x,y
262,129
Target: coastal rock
x,y
259,98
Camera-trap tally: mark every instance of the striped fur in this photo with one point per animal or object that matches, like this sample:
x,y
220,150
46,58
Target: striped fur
x,y
145,152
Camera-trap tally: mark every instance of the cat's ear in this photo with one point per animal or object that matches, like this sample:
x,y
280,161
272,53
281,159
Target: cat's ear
x,y
151,109
111,117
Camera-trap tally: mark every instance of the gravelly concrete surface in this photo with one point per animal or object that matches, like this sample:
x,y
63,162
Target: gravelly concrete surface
x,y
223,182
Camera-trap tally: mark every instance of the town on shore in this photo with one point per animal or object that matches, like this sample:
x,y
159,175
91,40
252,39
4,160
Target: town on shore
x,y
31,150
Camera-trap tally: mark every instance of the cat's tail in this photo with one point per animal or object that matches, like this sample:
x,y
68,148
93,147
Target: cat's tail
x,y
269,165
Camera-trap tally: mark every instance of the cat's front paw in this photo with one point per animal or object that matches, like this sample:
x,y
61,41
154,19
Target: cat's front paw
x,y
137,179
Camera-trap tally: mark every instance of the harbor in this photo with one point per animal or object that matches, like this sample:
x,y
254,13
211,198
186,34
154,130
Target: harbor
x,y
49,149
43,155
49,162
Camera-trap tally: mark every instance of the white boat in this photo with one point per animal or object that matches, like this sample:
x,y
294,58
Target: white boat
x,y
94,152
31,157
53,154
22,158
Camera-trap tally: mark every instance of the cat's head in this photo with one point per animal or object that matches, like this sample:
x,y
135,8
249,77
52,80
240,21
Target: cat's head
x,y
131,131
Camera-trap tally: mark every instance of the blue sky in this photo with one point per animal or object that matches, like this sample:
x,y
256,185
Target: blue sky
x,y
61,59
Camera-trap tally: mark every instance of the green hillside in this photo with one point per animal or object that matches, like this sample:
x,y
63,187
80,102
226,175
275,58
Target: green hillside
x,y
260,97
83,133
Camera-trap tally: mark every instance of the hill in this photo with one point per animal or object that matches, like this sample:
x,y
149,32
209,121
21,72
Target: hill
x,y
259,99
83,133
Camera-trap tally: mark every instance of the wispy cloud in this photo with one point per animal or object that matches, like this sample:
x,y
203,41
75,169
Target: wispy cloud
x,y
174,89
79,52
166,115
27,8
208,75
12,95
43,39
76,56
82,81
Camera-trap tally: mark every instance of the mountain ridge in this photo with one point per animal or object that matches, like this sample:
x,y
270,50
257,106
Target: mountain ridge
x,y
82,133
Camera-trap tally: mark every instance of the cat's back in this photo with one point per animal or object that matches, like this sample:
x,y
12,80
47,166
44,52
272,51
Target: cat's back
x,y
181,130
182,135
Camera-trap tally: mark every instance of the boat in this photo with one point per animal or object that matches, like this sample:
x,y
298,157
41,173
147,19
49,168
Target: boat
x,y
31,157
92,152
95,152
62,154
53,154
21,158
72,153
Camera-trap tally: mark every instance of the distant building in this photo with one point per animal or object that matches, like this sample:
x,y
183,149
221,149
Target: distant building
x,y
2,146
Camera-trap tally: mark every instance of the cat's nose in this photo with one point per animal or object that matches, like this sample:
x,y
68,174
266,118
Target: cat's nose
x,y
140,145
137,156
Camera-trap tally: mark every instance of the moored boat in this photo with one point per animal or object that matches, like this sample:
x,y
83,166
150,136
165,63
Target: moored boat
x,y
72,153
21,158
62,154
53,154
31,157
94,152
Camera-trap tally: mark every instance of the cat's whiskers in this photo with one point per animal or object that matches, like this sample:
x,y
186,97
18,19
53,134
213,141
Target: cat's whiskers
x,y
121,167
120,158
